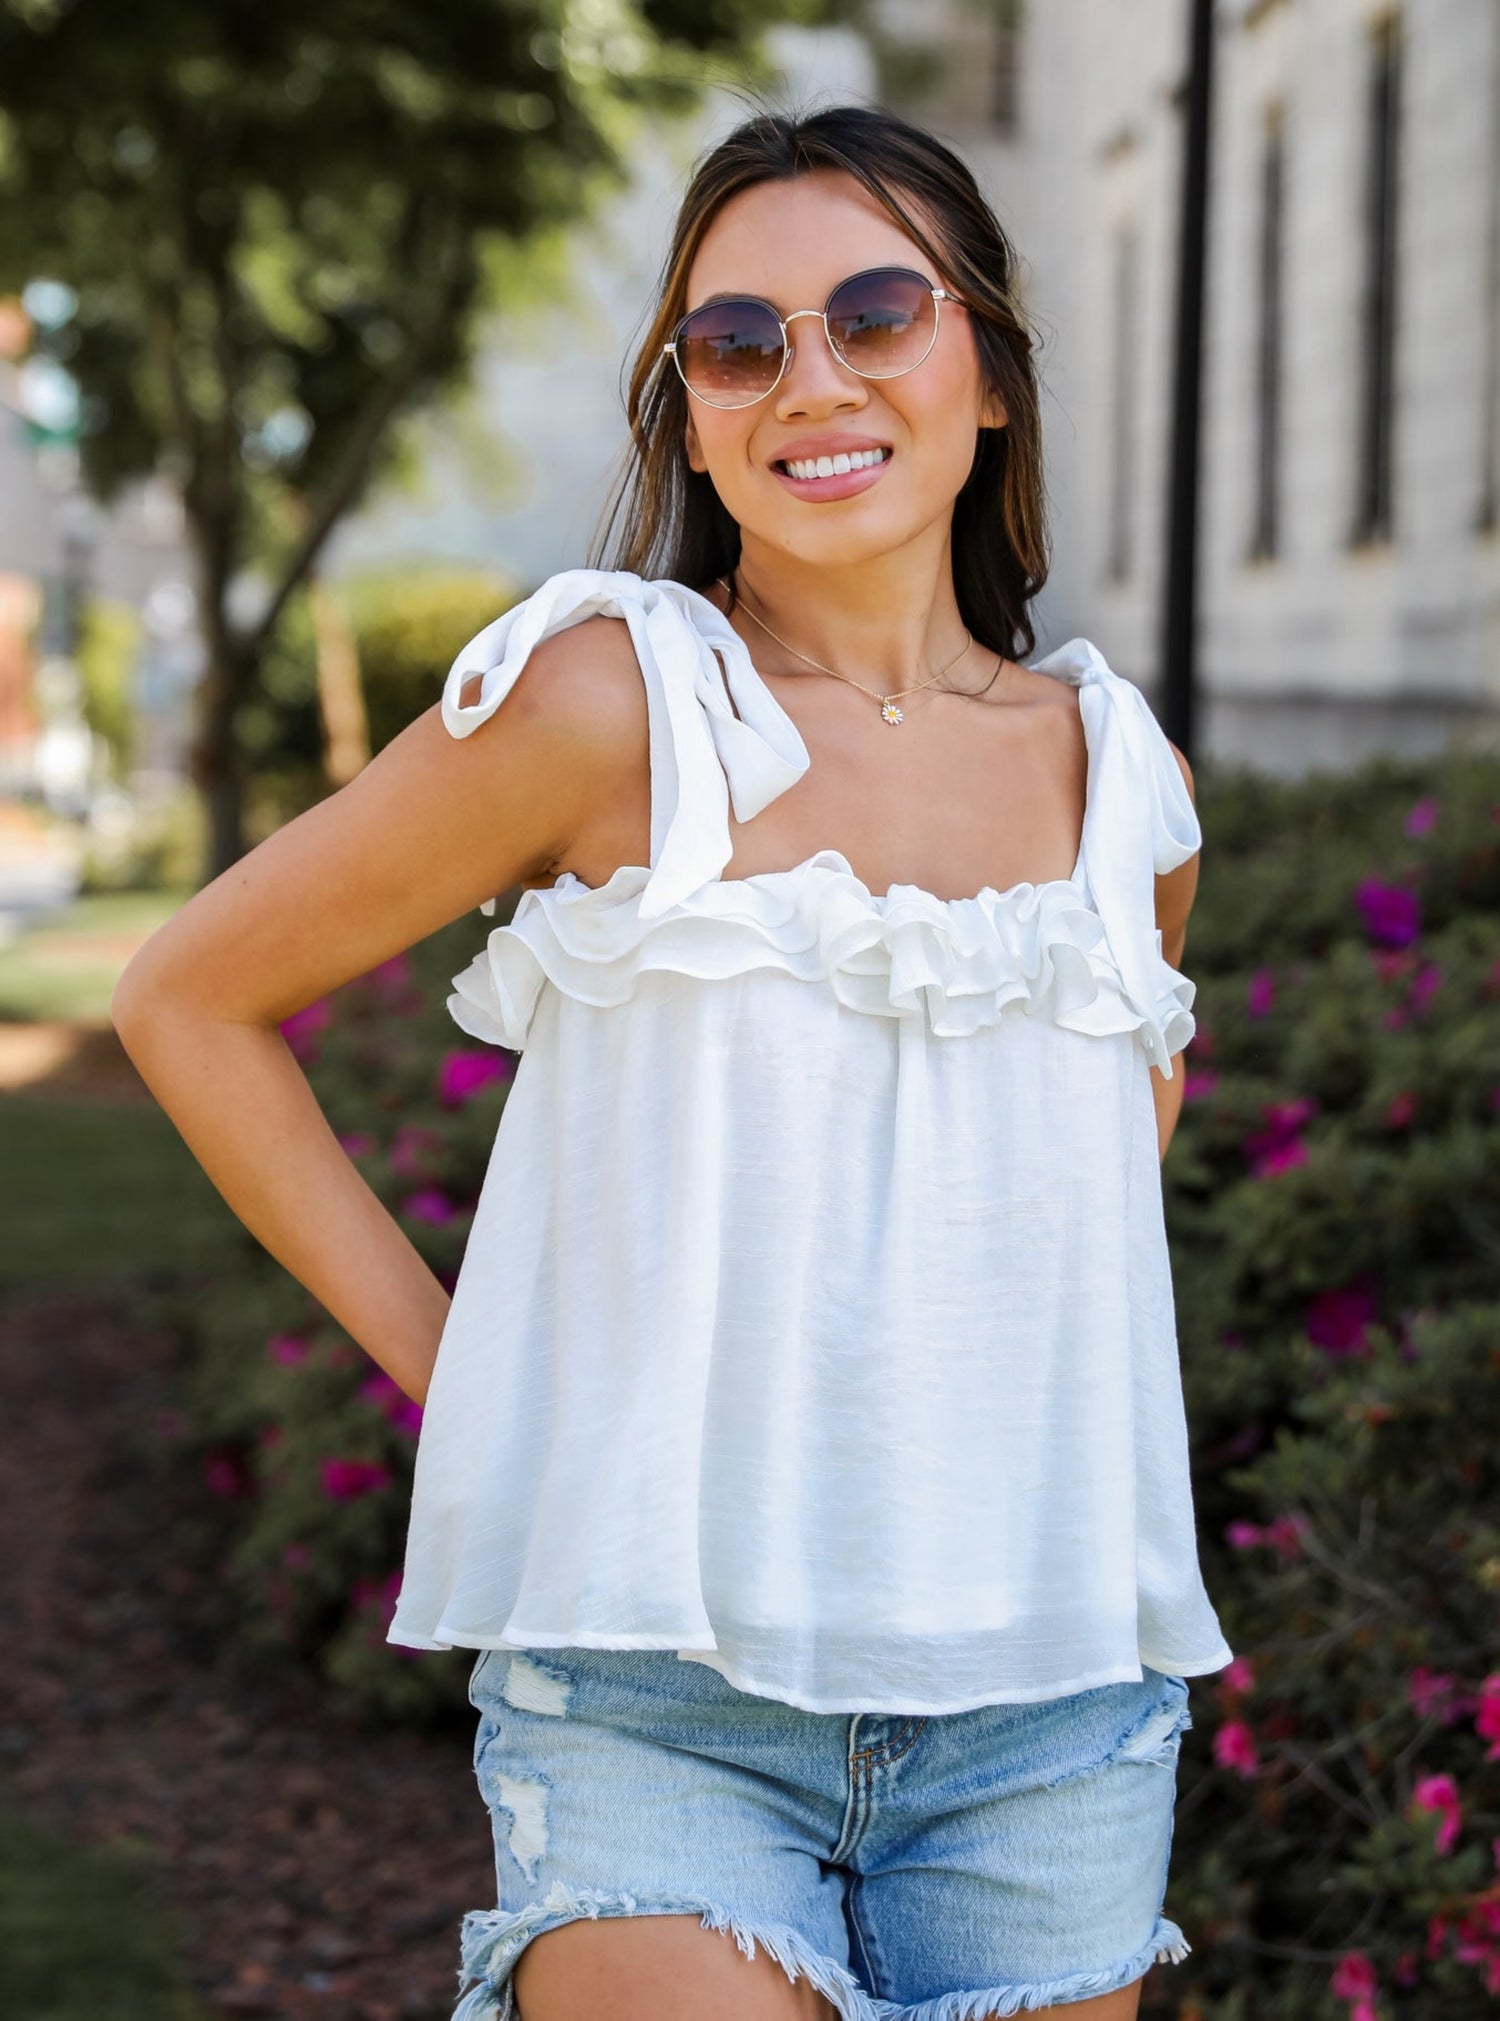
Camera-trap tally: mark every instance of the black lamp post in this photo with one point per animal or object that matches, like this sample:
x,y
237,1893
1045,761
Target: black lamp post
x,y
1180,598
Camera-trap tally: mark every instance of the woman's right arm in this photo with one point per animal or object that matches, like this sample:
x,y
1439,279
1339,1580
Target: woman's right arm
x,y
433,826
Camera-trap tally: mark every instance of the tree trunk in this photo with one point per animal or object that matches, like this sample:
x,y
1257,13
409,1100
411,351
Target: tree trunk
x,y
341,700
216,764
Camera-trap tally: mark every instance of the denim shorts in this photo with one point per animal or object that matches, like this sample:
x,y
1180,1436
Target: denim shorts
x,y
925,1868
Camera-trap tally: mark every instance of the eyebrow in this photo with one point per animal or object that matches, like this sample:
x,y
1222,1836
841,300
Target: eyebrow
x,y
748,295
731,295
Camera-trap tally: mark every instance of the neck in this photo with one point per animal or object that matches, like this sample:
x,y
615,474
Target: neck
x,y
887,620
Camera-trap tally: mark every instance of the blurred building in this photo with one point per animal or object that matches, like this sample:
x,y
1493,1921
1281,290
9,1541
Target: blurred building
x,y
58,549
1349,536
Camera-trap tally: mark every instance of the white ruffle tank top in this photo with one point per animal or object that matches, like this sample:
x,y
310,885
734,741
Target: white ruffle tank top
x,y
816,1319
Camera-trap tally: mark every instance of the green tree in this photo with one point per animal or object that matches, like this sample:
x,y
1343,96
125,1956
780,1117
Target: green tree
x,y
285,221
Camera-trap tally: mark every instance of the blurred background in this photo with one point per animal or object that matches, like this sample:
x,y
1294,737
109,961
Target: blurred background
x,y
313,328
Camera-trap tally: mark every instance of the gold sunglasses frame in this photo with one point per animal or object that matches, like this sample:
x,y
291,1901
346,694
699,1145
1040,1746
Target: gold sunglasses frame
x,y
788,349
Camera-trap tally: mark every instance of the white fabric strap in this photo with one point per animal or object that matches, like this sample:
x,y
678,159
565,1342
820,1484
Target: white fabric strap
x,y
1140,821
704,758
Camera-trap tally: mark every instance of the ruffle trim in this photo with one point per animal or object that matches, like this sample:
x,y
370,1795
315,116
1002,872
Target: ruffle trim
x,y
1037,949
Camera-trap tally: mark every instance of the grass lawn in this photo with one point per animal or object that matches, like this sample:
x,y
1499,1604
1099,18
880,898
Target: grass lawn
x,y
93,1194
67,963
85,1934
98,1195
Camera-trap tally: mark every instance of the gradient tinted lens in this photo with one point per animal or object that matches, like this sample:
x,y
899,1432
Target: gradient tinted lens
x,y
729,353
883,323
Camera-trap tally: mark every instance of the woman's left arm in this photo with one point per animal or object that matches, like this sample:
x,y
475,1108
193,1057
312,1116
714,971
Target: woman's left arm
x,y
1174,901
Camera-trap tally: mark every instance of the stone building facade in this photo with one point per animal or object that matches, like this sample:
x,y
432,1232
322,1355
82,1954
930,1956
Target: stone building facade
x,y
1349,533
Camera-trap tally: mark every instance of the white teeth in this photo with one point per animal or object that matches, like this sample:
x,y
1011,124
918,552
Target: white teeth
x,y
835,466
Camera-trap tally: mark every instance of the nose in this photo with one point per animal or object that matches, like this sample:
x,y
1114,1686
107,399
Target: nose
x,y
816,380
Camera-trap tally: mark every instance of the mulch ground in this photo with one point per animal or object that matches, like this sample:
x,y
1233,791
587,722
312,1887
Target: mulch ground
x,y
319,1870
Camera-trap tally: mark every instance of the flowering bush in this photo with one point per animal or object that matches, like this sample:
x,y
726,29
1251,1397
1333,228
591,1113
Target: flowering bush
x,y
303,1439
1333,1196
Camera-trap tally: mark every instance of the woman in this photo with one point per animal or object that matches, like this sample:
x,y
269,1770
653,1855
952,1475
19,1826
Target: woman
x,y
805,1454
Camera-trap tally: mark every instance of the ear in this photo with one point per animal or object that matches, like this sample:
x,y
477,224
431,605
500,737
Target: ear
x,y
992,412
695,456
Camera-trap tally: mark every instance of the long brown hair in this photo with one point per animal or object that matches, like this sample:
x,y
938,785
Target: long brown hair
x,y
664,519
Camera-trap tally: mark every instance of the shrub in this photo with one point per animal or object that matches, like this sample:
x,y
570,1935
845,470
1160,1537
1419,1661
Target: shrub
x,y
1334,1208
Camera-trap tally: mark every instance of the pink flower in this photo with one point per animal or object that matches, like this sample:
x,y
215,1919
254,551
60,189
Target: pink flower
x,y
430,1203
404,1412
1421,815
1261,995
1241,1536
409,1148
1286,1533
1440,1793
226,1473
462,1074
1433,1694
1282,1159
1238,1676
1400,1110
1391,967
358,1143
301,1029
1198,1087
346,1480
1487,1721
1406,1970
1391,912
1276,1146
381,1593
1337,1321
379,1598
1354,1979
1234,1747
286,1348
392,978
1425,986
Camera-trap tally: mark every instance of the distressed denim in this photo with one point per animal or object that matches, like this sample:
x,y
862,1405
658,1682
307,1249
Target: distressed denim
x,y
939,1867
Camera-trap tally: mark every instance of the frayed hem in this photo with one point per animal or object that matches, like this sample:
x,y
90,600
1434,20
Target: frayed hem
x,y
1168,1946
493,1939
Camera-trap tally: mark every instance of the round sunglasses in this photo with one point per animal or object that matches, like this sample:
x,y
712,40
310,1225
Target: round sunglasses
x,y
880,323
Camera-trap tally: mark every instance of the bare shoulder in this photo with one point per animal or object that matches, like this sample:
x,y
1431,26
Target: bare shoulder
x,y
582,684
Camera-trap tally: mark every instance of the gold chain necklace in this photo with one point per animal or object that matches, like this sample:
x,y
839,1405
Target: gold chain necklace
x,y
890,705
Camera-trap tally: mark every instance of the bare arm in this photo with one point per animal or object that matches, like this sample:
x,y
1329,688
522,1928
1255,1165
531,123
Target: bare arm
x,y
433,825
1174,901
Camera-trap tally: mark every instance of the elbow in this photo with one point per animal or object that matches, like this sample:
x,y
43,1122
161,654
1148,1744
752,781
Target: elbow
x,y
134,1003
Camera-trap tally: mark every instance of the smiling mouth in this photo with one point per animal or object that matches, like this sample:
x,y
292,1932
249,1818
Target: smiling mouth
x,y
810,467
